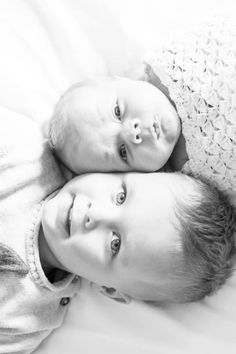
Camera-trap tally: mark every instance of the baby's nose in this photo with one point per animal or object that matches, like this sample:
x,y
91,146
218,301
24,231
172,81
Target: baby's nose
x,y
133,131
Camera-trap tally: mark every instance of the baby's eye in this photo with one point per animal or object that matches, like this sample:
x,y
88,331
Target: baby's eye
x,y
117,111
115,244
123,152
120,198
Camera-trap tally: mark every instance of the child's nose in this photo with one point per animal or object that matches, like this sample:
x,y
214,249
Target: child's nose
x,y
97,215
132,131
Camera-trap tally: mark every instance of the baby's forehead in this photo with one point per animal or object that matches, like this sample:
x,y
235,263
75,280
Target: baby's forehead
x,y
108,85
114,82
97,86
109,81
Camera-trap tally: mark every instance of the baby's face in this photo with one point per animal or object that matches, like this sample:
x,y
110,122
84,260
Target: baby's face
x,y
117,124
117,230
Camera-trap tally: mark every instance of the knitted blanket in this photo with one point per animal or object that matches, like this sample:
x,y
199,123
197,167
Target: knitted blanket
x,y
199,71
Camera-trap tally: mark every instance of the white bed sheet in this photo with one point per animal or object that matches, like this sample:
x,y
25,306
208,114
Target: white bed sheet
x,y
46,45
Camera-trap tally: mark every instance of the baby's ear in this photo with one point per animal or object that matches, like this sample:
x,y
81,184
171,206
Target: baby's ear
x,y
112,293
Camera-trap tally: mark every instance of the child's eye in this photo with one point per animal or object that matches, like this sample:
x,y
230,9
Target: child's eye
x,y
115,243
117,111
123,152
120,198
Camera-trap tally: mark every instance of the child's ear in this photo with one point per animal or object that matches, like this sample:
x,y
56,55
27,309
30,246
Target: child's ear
x,y
113,293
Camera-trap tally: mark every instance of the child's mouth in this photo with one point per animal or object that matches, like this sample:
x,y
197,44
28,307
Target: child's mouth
x,y
69,217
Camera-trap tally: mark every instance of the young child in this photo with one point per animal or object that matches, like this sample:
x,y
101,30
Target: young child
x,y
102,234
180,249
118,124
152,237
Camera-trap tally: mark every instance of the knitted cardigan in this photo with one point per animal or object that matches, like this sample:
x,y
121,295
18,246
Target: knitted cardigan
x,y
199,71
31,306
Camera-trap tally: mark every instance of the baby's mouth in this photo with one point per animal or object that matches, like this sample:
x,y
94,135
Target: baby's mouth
x,y
156,128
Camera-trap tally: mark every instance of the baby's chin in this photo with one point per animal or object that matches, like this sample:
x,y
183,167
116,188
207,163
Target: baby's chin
x,y
162,164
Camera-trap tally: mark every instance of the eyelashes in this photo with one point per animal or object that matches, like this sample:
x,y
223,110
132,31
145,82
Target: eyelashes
x,y
123,152
115,243
120,198
117,111
121,195
122,149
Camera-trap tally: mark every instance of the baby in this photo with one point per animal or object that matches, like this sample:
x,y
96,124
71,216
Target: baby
x,y
187,119
114,124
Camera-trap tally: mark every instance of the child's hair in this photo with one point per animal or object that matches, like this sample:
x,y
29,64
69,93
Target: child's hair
x,y
207,227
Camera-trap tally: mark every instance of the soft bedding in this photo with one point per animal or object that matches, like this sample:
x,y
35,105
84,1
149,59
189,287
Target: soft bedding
x,y
46,45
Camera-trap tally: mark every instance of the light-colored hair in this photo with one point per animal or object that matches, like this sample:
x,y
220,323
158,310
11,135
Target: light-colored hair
x,y
207,228
62,107
58,121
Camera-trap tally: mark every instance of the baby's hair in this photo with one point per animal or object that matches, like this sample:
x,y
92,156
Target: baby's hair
x,y
207,229
57,121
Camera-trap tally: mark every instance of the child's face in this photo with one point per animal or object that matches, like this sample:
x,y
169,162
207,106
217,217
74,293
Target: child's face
x,y
117,125
116,230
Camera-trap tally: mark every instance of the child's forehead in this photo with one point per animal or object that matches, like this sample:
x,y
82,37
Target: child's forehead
x,y
154,278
